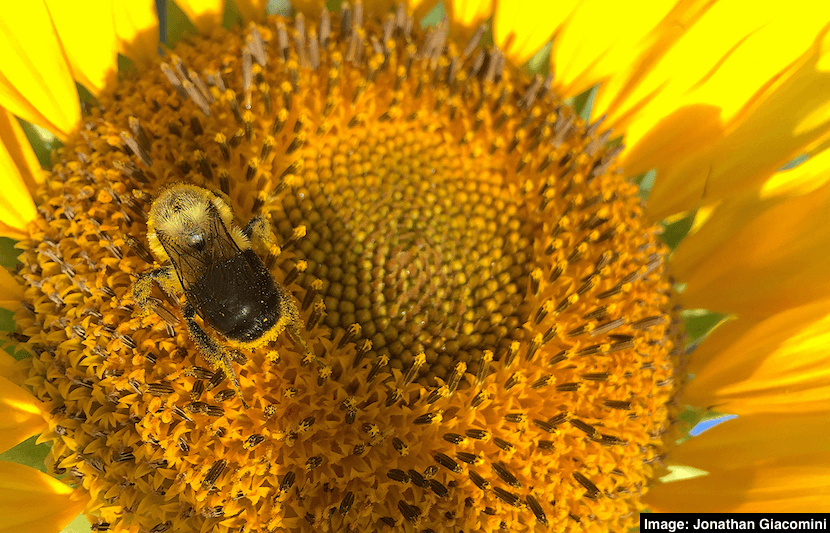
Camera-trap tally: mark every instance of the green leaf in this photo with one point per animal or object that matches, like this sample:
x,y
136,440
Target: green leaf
x,y
674,232
28,453
699,323
584,103
79,525
178,25
540,63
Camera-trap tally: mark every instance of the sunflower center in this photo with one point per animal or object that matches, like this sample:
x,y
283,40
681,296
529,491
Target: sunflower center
x,y
414,245
490,308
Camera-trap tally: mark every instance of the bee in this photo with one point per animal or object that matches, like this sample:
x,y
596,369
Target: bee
x,y
207,257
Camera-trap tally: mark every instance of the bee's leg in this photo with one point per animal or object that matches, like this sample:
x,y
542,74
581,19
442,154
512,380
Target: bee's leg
x,y
143,285
216,356
293,322
260,230
294,329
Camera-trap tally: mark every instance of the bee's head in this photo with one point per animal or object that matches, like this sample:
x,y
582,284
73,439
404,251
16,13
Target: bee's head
x,y
182,216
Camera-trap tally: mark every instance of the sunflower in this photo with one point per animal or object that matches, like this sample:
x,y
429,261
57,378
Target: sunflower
x,y
495,314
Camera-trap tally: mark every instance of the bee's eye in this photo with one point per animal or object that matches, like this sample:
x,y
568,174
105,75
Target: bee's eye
x,y
197,241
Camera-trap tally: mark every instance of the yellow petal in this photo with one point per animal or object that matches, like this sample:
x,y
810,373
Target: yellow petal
x,y
20,416
11,293
801,485
24,163
88,38
613,44
778,365
251,9
520,29
718,341
10,369
802,179
35,79
16,206
137,28
755,257
741,93
33,501
467,15
205,14
752,440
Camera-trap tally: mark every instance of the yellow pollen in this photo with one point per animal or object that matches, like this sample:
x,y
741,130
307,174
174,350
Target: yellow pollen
x,y
494,344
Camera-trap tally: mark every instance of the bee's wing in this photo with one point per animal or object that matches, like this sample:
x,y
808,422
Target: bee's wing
x,y
192,265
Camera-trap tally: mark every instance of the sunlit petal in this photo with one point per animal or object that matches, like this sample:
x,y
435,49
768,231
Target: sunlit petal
x,y
467,15
11,292
88,37
756,257
751,440
780,365
205,14
754,79
802,179
33,501
613,44
520,29
16,206
10,369
718,341
780,486
36,81
137,27
20,416
24,162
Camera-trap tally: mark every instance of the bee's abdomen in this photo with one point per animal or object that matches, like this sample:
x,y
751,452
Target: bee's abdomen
x,y
238,298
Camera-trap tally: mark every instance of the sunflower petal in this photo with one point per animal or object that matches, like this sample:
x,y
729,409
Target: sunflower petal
x,y
20,416
33,501
752,79
16,206
20,152
520,29
251,9
137,28
800,180
205,14
11,293
88,38
753,439
618,47
777,366
36,82
467,15
755,257
10,369
779,486
718,341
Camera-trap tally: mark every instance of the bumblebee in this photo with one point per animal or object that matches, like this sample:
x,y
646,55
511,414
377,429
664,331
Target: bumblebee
x,y
208,258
